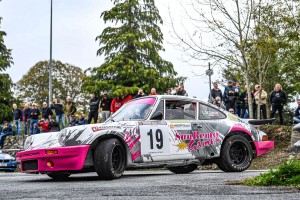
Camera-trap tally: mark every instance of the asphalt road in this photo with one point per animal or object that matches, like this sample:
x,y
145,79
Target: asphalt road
x,y
140,185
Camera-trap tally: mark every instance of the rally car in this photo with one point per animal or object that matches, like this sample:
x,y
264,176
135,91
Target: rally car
x,y
7,162
174,132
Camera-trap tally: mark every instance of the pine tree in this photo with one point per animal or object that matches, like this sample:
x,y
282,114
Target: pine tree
x,y
131,49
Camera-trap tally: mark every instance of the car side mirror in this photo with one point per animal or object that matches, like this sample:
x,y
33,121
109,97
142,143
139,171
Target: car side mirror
x,y
157,116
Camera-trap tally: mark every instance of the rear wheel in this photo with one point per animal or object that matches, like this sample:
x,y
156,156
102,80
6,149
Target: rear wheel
x,y
183,169
236,154
109,159
59,176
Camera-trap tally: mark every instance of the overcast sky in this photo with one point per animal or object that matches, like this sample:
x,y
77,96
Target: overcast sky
x,y
76,23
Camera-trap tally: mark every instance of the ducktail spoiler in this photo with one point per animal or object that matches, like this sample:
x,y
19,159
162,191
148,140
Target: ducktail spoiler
x,y
261,121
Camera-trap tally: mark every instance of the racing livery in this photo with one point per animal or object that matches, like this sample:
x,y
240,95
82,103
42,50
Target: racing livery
x,y
175,132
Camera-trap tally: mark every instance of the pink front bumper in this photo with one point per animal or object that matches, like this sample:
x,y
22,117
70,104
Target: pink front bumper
x,y
67,159
263,147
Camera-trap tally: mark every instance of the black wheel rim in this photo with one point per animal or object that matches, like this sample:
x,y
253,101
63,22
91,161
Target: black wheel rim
x,y
238,153
117,158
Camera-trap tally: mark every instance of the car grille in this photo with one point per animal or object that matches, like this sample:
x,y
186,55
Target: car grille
x,y
30,165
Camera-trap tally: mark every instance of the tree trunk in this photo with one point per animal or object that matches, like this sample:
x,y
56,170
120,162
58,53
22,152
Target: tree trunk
x,y
249,95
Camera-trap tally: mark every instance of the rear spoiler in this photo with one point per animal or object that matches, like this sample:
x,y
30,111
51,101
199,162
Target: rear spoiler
x,y
261,121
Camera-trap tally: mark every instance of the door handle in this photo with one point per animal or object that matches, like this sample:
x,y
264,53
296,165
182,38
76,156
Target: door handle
x,y
197,126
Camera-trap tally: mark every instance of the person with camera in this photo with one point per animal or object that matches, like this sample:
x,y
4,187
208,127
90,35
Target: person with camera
x,y
277,99
140,94
218,102
44,123
6,131
59,112
46,111
215,92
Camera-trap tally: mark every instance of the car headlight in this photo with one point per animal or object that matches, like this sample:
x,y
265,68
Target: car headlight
x,y
62,137
28,142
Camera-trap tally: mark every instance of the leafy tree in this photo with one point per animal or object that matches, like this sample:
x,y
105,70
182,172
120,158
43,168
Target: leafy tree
x,y
131,49
6,97
67,81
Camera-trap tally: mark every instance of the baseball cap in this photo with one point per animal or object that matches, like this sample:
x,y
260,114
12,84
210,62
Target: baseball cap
x,y
230,81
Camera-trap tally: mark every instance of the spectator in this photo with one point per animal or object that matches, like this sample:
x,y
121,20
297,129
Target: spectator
x,y
34,116
153,92
25,118
176,90
245,105
44,124
94,107
70,108
230,95
53,126
277,99
82,120
231,110
46,111
59,112
126,98
73,121
238,103
297,113
116,103
105,107
218,102
17,118
181,90
6,131
169,91
36,129
215,92
140,94
263,102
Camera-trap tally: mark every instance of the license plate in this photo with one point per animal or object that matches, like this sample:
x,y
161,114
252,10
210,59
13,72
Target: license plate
x,y
3,164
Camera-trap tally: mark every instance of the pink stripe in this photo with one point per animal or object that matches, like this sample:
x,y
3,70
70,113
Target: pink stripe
x,y
150,101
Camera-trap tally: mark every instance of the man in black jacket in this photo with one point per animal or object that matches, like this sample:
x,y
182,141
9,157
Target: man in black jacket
x,y
17,112
34,116
46,111
25,118
105,107
59,112
94,107
215,92
277,99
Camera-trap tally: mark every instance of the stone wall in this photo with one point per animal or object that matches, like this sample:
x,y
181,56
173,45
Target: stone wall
x,y
13,144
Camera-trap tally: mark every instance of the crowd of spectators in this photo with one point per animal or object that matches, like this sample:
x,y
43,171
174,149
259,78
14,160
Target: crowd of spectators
x,y
235,100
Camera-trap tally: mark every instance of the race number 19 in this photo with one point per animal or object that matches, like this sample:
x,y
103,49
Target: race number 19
x,y
154,139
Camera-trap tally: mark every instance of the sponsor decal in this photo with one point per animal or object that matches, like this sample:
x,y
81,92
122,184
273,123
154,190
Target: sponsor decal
x,y
209,113
108,127
181,126
162,122
232,117
197,140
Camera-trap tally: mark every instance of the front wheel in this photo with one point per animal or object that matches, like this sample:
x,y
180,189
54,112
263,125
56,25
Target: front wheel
x,y
183,169
109,159
236,154
59,176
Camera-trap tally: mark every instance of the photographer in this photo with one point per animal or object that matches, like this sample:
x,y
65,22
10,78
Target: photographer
x,y
218,102
140,94
44,124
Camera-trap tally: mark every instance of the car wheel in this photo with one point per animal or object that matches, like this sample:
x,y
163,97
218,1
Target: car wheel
x,y
236,154
109,159
183,169
59,176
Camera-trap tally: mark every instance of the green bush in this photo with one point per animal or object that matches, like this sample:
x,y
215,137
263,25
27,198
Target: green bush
x,y
287,174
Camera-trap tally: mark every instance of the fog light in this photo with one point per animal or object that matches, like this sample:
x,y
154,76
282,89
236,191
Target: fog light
x,y
265,138
51,152
50,164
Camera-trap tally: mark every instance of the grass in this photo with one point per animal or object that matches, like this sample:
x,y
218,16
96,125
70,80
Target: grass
x,y
286,174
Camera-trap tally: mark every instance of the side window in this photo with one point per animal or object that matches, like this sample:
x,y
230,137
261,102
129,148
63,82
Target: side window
x,y
180,110
207,112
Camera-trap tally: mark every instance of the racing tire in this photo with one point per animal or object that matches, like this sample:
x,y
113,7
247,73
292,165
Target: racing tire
x,y
183,169
236,154
59,176
109,159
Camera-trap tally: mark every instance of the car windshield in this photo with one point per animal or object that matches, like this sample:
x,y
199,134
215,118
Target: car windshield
x,y
135,110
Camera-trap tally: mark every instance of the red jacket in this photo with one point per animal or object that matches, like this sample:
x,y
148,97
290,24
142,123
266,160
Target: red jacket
x,y
116,104
44,125
127,98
